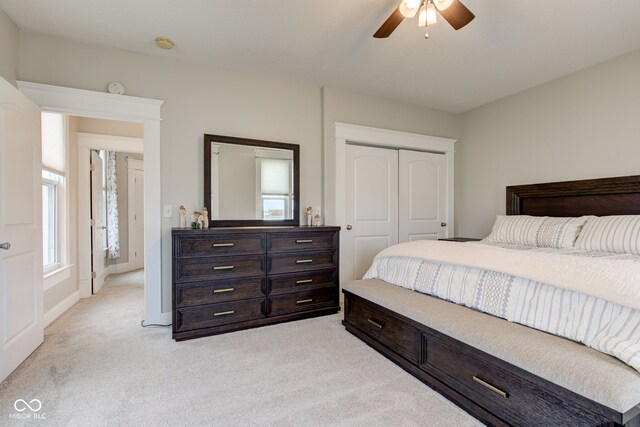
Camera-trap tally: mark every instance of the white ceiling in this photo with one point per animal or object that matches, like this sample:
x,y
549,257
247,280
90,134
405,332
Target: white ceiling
x,y
512,45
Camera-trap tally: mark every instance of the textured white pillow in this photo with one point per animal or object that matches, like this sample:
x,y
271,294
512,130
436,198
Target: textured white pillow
x,y
615,233
541,231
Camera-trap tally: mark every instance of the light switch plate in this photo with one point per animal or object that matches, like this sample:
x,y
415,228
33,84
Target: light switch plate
x,y
168,211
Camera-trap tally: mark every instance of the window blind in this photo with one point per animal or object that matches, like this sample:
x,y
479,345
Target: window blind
x,y
275,176
54,153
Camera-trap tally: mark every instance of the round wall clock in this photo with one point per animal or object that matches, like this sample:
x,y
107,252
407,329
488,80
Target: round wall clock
x,y
116,88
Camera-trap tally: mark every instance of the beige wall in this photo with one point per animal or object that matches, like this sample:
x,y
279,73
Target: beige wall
x,y
110,127
198,100
353,108
586,125
8,48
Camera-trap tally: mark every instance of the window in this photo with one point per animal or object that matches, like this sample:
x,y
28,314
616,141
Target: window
x,y
53,191
52,216
276,188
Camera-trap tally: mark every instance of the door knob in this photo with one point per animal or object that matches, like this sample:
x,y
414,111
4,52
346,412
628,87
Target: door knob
x,y
6,246
443,224
349,227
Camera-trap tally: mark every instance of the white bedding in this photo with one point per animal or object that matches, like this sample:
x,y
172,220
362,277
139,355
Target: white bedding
x,y
588,297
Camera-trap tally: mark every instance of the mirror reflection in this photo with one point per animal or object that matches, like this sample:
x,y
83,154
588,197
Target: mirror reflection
x,y
251,183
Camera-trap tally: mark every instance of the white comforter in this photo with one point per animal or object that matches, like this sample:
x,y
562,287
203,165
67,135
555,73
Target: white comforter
x,y
614,279
587,297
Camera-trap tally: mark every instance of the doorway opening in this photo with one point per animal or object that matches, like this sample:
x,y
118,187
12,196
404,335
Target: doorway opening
x,y
110,200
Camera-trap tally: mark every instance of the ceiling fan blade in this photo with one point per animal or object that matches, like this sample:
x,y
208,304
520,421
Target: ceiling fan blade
x,y
457,14
389,25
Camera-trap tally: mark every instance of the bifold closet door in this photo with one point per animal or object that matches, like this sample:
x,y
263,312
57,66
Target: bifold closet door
x,y
371,207
422,196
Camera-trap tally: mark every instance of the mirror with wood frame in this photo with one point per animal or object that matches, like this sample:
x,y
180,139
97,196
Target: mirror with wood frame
x,y
249,182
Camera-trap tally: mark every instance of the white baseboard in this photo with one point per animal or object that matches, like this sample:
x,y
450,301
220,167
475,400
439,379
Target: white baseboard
x,y
63,306
124,267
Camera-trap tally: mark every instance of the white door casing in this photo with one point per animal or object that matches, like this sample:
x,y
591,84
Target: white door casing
x,y
372,206
21,291
98,224
138,220
147,111
422,196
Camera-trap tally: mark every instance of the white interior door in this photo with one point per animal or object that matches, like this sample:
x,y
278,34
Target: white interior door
x,y
371,207
138,225
98,222
422,196
21,293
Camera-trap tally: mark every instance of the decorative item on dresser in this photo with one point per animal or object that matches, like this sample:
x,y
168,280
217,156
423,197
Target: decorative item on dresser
x,y
233,278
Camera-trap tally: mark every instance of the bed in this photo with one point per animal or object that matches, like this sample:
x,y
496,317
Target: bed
x,y
502,372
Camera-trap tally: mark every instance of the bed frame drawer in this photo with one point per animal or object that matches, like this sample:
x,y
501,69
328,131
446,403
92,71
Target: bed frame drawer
x,y
501,389
389,330
489,388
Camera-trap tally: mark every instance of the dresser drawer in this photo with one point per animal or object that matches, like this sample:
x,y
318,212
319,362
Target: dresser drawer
x,y
207,316
220,267
220,245
210,292
497,388
302,241
302,281
303,301
301,261
395,334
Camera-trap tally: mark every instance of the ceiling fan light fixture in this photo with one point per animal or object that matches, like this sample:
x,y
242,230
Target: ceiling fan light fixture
x,y
432,16
422,16
443,4
409,8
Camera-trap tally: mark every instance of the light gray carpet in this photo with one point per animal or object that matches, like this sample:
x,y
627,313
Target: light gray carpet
x,y
97,366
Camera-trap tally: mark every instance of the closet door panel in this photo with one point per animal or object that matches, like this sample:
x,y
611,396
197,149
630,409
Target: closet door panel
x,y
372,207
422,207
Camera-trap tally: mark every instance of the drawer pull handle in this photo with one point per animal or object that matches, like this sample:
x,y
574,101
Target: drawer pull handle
x,y
303,261
219,291
299,282
490,387
223,267
223,313
304,241
222,245
374,323
303,301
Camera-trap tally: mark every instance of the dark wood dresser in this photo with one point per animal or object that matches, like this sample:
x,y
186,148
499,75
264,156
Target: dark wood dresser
x,y
232,278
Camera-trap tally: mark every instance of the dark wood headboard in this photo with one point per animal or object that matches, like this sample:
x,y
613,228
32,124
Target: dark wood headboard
x,y
605,196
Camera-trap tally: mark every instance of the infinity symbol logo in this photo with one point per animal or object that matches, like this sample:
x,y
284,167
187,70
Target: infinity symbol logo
x,y
21,403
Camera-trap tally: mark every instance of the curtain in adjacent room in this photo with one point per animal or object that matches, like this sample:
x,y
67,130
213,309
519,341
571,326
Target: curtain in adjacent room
x,y
113,232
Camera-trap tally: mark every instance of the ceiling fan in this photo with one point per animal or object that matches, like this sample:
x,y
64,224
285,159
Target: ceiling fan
x,y
453,11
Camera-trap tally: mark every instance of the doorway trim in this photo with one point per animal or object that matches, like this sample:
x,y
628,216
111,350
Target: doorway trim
x,y
86,103
335,165
132,166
